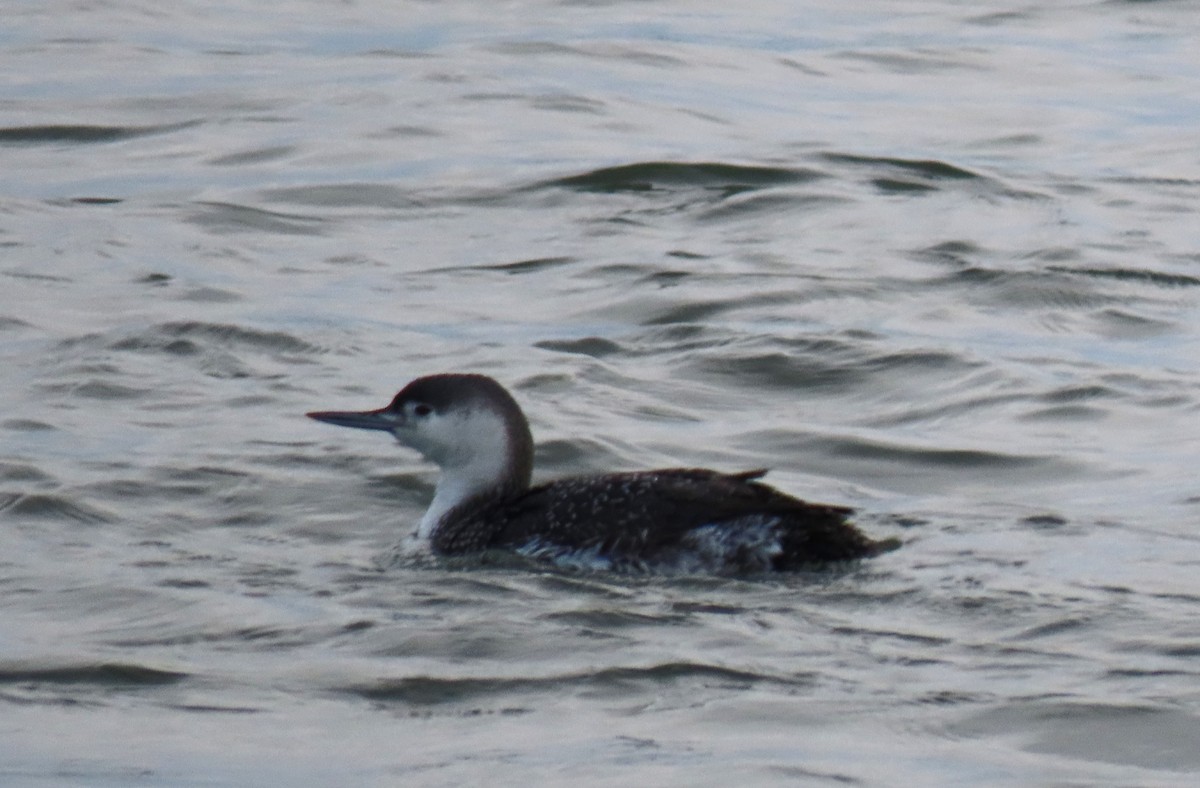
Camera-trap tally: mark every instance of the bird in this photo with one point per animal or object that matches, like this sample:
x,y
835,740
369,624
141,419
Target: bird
x,y
672,519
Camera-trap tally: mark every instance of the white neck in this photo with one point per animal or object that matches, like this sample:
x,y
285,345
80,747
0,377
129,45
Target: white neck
x,y
452,489
470,469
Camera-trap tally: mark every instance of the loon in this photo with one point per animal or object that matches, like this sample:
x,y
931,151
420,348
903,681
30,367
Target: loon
x,y
688,519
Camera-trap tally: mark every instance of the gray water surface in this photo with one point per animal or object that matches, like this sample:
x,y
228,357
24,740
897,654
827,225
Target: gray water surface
x,y
938,261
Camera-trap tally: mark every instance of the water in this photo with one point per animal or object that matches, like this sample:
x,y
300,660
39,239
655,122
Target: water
x,y
933,260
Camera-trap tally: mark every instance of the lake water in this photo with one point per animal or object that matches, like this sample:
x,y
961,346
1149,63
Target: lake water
x,y
936,260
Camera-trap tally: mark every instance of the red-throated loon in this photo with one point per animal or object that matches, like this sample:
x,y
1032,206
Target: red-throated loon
x,y
686,519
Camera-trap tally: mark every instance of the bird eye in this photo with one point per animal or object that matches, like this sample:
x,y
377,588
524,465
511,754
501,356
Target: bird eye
x,y
422,410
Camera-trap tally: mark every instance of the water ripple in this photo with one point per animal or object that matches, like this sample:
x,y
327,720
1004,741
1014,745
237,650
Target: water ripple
x,y
82,134
427,690
720,178
105,674
54,507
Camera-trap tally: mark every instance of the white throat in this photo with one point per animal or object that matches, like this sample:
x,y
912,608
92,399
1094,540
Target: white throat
x,y
476,460
452,489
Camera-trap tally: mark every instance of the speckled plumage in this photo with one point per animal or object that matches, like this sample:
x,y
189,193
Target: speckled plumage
x,y
644,518
677,518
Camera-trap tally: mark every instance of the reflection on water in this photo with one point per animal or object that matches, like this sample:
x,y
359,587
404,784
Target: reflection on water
x,y
938,265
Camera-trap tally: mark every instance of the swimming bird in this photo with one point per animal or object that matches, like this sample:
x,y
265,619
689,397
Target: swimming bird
x,y
684,519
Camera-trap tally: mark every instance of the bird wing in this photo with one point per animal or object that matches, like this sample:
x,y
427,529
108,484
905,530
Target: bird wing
x,y
636,513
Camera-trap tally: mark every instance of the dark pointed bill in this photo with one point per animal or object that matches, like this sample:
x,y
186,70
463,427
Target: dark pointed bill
x,y
384,419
